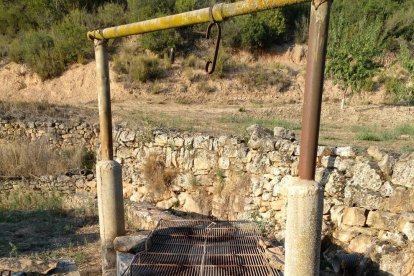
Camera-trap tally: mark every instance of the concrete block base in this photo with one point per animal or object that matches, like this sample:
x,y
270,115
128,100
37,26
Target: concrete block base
x,y
303,228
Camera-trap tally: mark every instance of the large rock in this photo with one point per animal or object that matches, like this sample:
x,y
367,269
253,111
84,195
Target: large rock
x,y
192,204
375,153
361,244
283,133
130,244
259,132
403,173
401,200
204,160
355,196
366,177
354,216
381,220
344,151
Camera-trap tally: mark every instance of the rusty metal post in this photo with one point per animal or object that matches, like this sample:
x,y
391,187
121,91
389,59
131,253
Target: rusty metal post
x,y
109,172
305,196
318,37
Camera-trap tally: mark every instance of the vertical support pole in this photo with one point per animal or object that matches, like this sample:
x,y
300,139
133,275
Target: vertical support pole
x,y
315,68
109,172
305,196
104,99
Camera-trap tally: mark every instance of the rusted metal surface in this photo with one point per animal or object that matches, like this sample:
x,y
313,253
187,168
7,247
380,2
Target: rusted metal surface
x,y
318,36
210,70
220,12
104,99
202,247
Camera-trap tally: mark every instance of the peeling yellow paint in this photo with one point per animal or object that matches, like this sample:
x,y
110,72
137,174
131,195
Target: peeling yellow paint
x,y
220,12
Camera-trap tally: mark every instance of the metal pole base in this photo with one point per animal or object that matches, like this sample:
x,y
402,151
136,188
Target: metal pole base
x,y
303,228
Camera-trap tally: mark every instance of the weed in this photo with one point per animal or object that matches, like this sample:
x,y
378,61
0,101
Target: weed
x,y
13,250
366,136
407,149
406,129
374,134
398,91
192,75
184,100
23,199
158,177
192,61
39,158
242,109
331,138
145,68
259,77
156,88
88,158
194,181
221,181
79,257
205,87
140,67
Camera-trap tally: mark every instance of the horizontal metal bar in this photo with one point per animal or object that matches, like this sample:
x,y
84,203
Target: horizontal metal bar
x,y
219,11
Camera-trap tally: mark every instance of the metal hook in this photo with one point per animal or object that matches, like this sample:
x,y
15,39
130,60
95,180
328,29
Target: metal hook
x,y
218,40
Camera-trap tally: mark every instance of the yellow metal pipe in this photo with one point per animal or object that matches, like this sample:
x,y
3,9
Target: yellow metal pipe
x,y
219,11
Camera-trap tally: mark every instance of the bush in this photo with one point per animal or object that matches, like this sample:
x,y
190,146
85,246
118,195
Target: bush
x,y
352,58
398,91
145,68
36,49
256,31
70,44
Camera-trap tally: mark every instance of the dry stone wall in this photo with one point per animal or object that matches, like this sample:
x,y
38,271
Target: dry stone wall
x,y
369,196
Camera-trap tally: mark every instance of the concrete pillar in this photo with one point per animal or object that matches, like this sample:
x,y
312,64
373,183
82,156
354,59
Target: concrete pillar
x,y
111,211
303,228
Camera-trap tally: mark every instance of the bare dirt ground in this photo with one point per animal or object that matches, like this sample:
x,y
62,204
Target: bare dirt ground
x,y
50,235
227,106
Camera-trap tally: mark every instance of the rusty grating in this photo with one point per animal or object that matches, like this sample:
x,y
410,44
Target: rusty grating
x,y
202,247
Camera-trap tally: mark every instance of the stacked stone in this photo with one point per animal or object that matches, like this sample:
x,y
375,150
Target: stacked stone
x,y
369,197
56,133
69,184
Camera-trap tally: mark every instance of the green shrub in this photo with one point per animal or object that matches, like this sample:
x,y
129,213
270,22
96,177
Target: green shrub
x,y
351,58
185,5
259,77
70,44
144,68
398,91
36,49
110,14
255,31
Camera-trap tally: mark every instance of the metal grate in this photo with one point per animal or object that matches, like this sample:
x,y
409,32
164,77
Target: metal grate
x,y
202,247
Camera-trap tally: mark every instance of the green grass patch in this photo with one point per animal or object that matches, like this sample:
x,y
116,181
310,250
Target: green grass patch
x,y
376,134
407,149
24,200
366,133
406,129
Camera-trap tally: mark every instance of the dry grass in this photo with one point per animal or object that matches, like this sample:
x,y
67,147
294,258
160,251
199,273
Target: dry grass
x,y
159,178
36,226
42,111
38,158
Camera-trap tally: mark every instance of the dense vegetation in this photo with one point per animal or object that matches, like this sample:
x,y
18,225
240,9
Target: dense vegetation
x,y
364,36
